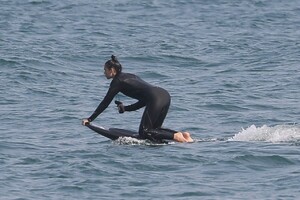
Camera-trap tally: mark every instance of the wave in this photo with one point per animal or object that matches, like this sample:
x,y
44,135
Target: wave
x,y
275,134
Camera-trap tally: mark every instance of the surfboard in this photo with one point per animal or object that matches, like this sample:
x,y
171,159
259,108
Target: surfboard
x,y
113,133
116,133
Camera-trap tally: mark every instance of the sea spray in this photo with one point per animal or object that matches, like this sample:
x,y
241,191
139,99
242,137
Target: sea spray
x,y
279,133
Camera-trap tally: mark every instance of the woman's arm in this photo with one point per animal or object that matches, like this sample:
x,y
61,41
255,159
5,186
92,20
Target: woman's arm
x,y
135,106
111,93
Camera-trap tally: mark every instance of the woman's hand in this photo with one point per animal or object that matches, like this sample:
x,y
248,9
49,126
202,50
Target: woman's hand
x,y
85,122
120,106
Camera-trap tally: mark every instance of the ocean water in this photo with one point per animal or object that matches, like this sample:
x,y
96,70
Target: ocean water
x,y
231,67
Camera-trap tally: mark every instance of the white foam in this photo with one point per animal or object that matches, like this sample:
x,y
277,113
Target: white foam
x,y
129,141
134,141
279,133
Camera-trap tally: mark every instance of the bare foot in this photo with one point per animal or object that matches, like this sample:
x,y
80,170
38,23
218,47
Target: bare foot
x,y
187,136
179,137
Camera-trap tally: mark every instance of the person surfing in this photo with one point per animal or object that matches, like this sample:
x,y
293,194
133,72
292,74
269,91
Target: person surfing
x,y
156,101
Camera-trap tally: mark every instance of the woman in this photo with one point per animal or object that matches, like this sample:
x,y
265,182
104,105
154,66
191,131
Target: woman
x,y
156,100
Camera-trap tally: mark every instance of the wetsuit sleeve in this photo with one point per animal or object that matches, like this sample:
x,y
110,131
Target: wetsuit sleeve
x,y
111,93
135,106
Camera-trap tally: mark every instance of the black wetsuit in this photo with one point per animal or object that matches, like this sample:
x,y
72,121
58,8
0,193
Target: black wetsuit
x,y
156,100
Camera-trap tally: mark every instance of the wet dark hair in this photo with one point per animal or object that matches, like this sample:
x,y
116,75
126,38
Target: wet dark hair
x,y
114,63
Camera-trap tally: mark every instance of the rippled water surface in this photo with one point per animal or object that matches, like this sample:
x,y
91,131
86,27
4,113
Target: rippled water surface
x,y
231,67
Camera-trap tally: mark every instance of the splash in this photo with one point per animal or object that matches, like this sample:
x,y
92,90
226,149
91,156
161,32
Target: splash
x,y
134,141
279,133
129,141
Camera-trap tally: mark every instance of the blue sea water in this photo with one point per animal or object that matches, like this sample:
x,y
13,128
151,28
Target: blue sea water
x,y
232,68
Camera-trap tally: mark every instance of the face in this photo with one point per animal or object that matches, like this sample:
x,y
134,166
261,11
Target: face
x,y
109,73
